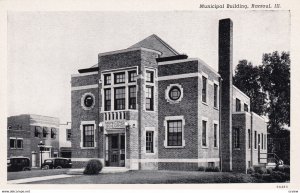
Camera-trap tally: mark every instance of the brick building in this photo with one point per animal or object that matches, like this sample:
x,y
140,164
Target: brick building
x,y
24,133
149,107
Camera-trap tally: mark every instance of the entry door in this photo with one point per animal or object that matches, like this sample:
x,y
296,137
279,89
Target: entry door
x,y
117,150
114,150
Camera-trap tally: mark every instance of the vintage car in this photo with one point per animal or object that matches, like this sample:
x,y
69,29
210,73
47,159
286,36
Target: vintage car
x,y
56,163
19,163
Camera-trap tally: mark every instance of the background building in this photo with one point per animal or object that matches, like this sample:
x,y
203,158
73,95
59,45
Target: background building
x,y
65,140
24,133
149,107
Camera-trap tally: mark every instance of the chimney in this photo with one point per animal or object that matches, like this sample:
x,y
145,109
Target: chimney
x,y
225,70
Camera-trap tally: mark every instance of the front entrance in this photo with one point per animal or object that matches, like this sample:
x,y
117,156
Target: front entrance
x,y
115,148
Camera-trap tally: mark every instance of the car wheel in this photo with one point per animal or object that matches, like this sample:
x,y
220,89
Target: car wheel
x,y
46,167
58,167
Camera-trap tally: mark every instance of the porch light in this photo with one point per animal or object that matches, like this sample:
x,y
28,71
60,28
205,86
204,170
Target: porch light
x,y
127,126
101,126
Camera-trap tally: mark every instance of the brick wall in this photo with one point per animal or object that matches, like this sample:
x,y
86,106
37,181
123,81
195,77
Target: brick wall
x,y
241,122
207,110
80,114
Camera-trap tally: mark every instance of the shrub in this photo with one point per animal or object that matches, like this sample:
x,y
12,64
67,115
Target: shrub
x,y
201,168
93,167
285,169
257,175
269,170
260,170
212,169
250,171
278,176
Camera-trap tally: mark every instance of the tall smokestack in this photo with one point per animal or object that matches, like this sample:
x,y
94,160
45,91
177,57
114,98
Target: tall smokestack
x,y
225,70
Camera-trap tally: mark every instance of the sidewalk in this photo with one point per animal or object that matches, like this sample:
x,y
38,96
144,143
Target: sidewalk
x,y
67,174
35,179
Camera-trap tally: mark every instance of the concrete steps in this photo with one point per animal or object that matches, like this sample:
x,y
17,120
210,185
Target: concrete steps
x,y
105,170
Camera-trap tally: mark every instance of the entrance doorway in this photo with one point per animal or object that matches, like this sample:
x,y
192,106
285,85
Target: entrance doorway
x,y
116,150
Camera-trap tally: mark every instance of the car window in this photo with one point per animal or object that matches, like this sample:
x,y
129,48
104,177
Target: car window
x,y
48,161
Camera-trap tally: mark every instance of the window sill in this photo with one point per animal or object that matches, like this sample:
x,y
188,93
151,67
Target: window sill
x,y
236,148
174,147
204,103
150,153
87,147
216,147
150,111
216,108
204,147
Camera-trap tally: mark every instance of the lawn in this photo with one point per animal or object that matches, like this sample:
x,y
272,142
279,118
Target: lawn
x,y
155,177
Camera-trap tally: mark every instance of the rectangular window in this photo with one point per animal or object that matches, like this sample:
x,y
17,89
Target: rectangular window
x,y
215,135
45,132
107,79
265,145
132,76
68,134
255,140
88,136
204,142
149,141
204,89
246,107
120,78
115,141
53,133
132,97
236,137
258,141
216,95
107,99
120,98
12,143
237,105
249,138
175,133
20,143
149,76
211,164
149,98
262,141
37,131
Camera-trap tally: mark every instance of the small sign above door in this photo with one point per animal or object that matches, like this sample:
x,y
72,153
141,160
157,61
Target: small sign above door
x,y
114,124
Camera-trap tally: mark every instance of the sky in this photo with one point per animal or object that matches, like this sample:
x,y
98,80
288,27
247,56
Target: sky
x,y
45,48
